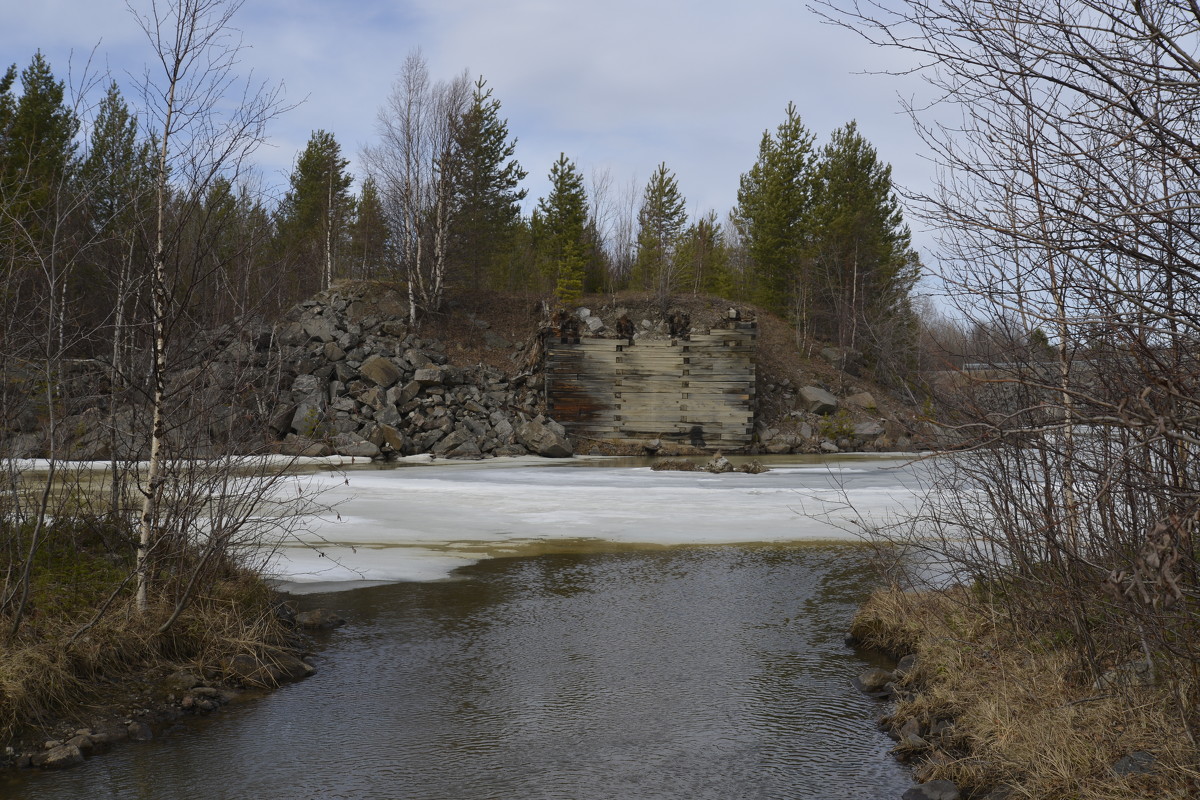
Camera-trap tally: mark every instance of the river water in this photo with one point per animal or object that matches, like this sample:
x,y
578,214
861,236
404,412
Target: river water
x,y
577,632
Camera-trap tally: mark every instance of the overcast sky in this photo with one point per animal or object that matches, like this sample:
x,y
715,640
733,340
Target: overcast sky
x,y
618,86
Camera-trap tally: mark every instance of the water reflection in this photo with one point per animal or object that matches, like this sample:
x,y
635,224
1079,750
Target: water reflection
x,y
691,672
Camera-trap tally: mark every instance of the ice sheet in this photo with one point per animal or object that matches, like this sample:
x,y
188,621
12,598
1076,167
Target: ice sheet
x,y
420,523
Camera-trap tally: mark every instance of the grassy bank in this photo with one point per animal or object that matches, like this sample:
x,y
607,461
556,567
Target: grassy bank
x,y
76,647
1000,707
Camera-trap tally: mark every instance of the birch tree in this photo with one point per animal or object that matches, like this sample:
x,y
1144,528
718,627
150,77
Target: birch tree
x,y
207,123
417,129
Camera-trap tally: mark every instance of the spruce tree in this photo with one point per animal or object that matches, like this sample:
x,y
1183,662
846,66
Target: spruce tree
x,y
38,145
774,208
660,224
703,257
864,267
485,177
368,256
560,233
313,218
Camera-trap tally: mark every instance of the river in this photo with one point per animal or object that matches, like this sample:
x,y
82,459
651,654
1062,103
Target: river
x,y
591,630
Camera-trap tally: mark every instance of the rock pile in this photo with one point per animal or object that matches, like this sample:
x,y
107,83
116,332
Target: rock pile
x,y
359,383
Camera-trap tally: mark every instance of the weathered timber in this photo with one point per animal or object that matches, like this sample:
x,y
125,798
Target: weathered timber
x,y
692,390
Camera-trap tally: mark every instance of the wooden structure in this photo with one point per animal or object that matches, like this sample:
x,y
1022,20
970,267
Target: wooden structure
x,y
698,390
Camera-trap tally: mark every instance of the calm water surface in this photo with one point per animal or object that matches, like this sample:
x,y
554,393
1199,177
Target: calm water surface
x,y
687,672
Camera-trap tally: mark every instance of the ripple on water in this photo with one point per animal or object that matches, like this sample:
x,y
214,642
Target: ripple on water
x,y
704,672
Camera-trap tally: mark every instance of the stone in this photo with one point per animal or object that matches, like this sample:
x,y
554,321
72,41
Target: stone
x,y
496,341
829,447
863,401
62,757
539,437
319,328
139,731
428,376
319,619
934,790
181,680
333,352
905,665
354,446
1130,674
818,401
868,430
380,371
1139,762
873,680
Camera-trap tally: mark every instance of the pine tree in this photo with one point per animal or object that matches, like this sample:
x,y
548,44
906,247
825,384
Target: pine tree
x,y
313,218
660,224
560,233
115,184
38,147
703,257
368,256
485,177
774,206
863,262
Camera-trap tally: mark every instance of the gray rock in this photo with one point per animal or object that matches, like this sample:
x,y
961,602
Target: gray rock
x,y
428,376
1139,762
139,731
818,401
873,680
319,328
1133,673
62,757
868,430
355,446
934,790
333,352
319,619
538,436
380,371
864,401
400,395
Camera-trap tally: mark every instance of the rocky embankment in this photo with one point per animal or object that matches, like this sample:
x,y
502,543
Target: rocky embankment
x,y
344,373
362,384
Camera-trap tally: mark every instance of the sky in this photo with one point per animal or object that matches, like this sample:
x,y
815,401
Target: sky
x,y
618,87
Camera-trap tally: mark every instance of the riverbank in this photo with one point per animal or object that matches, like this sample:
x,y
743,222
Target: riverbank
x,y
74,684
1003,714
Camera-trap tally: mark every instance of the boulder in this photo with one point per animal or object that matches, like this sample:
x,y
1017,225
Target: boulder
x,y
540,437
868,430
863,401
818,401
380,371
62,756
355,446
319,619
873,680
319,328
934,790
428,376
1139,762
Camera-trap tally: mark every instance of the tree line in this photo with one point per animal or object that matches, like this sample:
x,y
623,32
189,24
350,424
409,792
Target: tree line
x,y
817,233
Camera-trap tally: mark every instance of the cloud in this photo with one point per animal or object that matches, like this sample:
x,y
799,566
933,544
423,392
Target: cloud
x,y
621,86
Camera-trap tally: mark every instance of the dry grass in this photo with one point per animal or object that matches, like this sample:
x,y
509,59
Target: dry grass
x,y
50,673
1022,716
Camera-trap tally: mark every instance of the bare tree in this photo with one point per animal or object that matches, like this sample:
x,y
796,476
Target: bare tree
x,y
1067,210
416,127
195,49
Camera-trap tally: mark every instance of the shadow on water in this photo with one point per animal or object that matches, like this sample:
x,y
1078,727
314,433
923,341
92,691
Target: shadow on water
x,y
697,672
